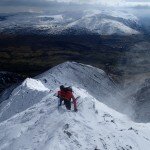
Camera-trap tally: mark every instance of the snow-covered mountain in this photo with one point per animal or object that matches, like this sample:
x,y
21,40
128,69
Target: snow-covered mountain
x,y
103,25
69,74
88,21
30,118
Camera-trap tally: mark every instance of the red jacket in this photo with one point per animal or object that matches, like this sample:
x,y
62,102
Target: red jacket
x,y
67,95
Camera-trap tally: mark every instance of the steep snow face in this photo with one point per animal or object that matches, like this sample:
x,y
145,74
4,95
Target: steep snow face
x,y
26,95
94,126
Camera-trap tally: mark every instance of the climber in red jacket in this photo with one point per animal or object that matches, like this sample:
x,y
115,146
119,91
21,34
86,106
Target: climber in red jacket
x,y
65,94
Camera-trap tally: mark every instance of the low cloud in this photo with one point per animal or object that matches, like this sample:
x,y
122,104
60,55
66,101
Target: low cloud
x,y
138,5
41,5
26,5
45,2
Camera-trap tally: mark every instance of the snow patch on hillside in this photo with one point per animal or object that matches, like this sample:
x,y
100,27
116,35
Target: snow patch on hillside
x,y
34,85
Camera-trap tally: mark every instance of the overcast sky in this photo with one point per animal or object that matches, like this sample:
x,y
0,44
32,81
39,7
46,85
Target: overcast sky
x,y
39,5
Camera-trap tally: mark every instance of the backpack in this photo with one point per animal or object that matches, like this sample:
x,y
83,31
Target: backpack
x,y
66,93
66,89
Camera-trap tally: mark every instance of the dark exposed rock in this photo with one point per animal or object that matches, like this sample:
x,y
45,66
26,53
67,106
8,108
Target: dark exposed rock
x,y
142,105
7,79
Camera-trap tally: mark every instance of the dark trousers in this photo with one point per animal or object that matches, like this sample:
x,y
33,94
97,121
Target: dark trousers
x,y
60,101
67,104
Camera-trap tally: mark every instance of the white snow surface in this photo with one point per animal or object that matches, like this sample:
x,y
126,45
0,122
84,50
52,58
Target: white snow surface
x,y
30,119
34,85
24,96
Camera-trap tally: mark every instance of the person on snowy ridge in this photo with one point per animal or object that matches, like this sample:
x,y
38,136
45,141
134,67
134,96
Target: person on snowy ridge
x,y
65,94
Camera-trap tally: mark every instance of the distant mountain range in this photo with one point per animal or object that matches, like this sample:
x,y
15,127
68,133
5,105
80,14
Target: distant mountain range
x,y
90,22
109,39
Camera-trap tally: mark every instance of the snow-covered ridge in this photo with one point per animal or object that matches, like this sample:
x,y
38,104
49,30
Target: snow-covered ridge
x,y
85,76
30,118
31,91
94,126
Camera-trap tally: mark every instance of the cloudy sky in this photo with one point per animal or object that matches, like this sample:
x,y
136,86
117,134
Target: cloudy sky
x,y
40,5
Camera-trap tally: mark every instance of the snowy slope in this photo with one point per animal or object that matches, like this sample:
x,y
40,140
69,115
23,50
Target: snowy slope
x,y
95,125
31,120
86,77
30,92
69,73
